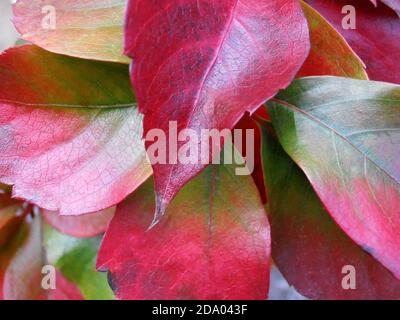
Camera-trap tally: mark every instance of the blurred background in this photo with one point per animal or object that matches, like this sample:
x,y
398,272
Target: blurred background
x,y
280,289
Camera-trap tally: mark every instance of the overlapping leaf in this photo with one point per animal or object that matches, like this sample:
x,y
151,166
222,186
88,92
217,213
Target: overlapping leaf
x,y
204,63
213,243
345,135
23,274
9,218
70,134
375,37
330,54
36,246
86,29
311,251
252,148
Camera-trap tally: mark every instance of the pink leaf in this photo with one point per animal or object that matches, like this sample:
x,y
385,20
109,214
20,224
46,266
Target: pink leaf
x,y
84,226
70,134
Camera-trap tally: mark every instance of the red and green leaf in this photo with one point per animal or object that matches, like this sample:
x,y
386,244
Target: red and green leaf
x,y
344,134
308,247
70,133
330,54
204,64
213,243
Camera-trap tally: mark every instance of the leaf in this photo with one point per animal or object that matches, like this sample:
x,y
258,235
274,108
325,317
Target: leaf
x,y
377,46
70,135
38,245
213,243
76,259
23,275
85,29
84,226
330,54
9,219
345,135
12,214
7,252
65,290
204,64
247,123
308,247
394,4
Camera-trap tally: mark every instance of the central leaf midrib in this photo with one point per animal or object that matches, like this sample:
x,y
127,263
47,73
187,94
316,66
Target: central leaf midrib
x,y
206,75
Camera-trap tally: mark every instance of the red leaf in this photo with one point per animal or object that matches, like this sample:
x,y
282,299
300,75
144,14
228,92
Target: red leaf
x,y
70,136
394,4
375,38
308,247
84,226
247,123
213,242
205,63
65,290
